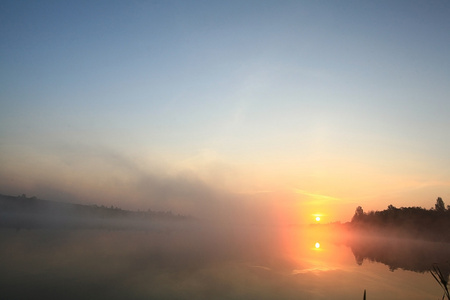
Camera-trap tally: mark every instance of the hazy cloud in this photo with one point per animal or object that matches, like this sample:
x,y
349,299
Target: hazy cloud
x,y
98,175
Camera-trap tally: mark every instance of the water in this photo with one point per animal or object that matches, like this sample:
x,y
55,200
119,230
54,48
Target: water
x,y
195,261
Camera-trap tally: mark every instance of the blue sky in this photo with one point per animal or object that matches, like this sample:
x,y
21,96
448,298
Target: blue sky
x,y
293,105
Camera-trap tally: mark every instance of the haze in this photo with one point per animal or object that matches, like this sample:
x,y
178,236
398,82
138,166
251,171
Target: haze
x,y
273,111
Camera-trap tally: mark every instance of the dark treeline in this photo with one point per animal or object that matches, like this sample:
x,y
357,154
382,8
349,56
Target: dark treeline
x,y
414,222
22,212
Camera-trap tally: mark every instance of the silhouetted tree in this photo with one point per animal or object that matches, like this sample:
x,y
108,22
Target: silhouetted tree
x,y
412,221
359,211
392,207
359,214
439,206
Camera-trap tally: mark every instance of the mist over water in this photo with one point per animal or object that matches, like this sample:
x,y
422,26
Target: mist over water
x,y
177,142
205,260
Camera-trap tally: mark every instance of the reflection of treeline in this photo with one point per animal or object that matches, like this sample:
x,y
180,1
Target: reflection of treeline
x,y
413,255
417,222
31,212
406,254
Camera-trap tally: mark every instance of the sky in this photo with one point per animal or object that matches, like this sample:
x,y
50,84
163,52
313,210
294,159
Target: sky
x,y
255,110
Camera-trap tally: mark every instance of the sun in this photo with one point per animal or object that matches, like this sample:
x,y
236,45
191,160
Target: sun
x,y
317,245
317,219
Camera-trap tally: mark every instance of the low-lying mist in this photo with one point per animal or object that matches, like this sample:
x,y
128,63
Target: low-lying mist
x,y
182,260
73,251
185,259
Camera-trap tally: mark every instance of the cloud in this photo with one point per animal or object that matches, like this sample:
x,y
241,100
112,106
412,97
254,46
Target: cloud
x,y
255,192
316,198
312,270
99,175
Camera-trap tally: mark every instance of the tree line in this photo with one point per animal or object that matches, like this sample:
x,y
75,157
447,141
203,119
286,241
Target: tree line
x,y
431,223
22,212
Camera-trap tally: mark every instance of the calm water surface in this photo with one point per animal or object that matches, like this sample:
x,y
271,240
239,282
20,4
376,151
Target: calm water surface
x,y
198,261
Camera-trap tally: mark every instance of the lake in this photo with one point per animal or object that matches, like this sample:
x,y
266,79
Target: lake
x,y
195,260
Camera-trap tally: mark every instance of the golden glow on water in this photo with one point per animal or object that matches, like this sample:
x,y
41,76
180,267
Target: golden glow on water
x,y
321,256
315,247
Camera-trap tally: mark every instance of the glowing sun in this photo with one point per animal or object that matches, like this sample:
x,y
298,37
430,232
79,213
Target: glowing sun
x,y
317,245
317,219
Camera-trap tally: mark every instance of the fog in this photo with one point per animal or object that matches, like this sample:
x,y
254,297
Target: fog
x,y
186,261
206,188
189,259
407,254
72,251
